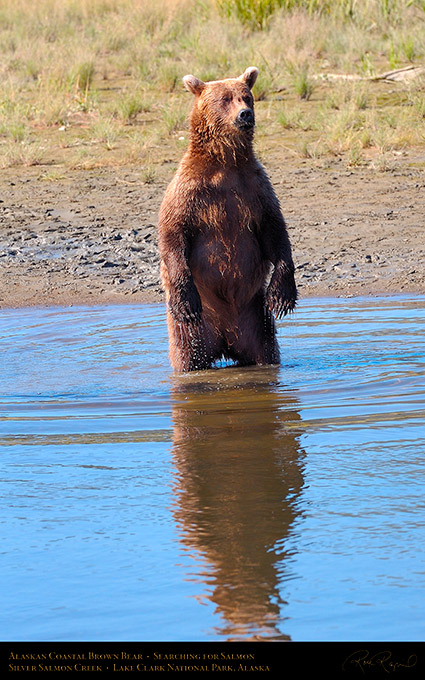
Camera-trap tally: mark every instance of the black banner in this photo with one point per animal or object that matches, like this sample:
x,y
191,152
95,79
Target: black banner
x,y
290,658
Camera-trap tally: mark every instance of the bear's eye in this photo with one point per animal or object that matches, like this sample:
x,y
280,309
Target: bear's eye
x,y
227,99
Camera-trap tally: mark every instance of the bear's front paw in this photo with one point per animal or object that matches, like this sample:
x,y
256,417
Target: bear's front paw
x,y
185,304
281,305
281,296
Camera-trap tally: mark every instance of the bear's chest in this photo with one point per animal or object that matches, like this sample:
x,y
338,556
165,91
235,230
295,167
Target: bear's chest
x,y
225,252
226,237
227,215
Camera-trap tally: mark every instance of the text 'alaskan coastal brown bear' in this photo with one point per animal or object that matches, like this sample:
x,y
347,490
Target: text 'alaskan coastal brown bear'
x,y
221,233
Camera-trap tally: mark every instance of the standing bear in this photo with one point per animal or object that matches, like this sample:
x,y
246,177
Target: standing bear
x,y
226,262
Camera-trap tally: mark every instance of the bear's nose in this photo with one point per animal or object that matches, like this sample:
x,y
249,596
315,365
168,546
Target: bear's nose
x,y
245,118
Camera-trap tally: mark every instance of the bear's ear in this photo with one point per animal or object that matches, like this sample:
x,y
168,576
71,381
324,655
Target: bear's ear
x,y
193,84
249,76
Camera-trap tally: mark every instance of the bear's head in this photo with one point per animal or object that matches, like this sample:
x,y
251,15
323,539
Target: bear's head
x,y
223,109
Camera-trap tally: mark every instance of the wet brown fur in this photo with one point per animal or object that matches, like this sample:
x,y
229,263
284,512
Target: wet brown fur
x,y
221,232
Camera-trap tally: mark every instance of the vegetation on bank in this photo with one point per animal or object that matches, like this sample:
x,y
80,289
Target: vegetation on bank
x,y
88,83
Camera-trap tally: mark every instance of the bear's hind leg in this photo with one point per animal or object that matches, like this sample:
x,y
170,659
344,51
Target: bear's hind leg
x,y
255,340
193,347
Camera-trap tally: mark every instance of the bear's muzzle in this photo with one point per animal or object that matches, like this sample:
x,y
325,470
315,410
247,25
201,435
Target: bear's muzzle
x,y
245,119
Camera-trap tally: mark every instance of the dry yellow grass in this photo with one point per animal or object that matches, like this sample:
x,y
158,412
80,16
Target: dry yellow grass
x,y
87,83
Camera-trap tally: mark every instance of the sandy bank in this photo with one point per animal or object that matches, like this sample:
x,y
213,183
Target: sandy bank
x,y
91,236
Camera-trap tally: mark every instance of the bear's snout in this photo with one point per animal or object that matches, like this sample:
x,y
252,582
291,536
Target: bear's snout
x,y
245,119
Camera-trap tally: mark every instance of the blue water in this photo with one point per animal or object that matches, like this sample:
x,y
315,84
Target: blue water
x,y
232,504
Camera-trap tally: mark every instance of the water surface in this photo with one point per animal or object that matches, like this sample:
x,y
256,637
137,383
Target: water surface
x,y
233,504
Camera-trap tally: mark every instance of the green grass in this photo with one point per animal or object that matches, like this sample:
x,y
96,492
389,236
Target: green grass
x,y
87,83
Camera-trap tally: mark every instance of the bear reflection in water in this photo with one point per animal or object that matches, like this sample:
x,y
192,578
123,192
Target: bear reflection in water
x,y
226,261
239,475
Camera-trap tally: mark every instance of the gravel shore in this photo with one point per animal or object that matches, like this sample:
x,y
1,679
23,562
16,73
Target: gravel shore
x,y
90,237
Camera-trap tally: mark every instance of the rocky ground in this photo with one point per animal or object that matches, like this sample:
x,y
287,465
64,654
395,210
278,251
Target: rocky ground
x,y
90,237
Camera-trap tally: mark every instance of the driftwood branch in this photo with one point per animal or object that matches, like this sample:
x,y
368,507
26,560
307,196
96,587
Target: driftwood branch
x,y
398,75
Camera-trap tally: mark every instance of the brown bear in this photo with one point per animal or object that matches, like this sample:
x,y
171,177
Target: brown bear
x,y
220,234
